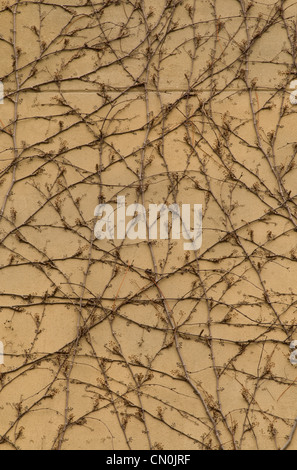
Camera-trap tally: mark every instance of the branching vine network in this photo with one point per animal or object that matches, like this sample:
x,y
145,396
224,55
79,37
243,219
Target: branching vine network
x,y
140,345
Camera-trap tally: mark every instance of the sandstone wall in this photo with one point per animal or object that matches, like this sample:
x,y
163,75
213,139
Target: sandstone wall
x,y
140,344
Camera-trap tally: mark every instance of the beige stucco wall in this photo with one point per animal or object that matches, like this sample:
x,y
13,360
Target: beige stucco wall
x,y
112,345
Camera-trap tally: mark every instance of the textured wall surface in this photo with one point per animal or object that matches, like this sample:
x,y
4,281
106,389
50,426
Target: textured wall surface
x,y
140,344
